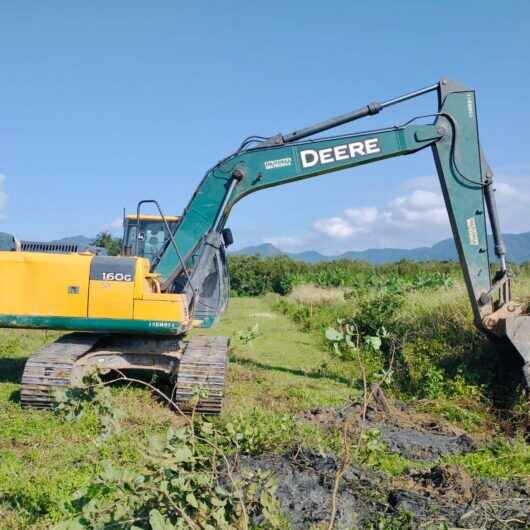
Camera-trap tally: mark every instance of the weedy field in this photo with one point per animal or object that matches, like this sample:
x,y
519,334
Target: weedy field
x,y
357,397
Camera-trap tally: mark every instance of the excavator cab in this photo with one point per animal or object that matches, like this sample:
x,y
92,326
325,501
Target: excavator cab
x,y
146,236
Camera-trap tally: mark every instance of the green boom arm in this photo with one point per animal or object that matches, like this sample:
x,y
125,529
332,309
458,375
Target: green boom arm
x,y
258,169
455,144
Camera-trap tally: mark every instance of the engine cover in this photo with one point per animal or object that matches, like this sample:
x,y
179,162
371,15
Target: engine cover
x,y
88,293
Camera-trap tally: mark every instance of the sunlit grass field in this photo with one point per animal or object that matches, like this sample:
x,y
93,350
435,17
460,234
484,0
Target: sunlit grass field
x,y
278,371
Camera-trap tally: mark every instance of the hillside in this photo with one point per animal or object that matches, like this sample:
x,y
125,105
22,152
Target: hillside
x,y
82,241
518,251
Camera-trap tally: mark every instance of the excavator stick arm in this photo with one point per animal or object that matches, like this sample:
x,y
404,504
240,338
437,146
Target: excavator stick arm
x,y
458,161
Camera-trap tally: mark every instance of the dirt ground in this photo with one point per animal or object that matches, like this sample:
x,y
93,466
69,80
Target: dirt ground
x,y
441,495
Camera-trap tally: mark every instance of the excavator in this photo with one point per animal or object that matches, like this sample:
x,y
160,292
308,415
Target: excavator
x,y
134,311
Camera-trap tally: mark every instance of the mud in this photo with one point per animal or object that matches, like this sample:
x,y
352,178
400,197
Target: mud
x,y
305,484
418,445
413,436
447,494
440,496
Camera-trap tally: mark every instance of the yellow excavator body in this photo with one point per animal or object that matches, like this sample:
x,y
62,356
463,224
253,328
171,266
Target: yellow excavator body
x,y
87,292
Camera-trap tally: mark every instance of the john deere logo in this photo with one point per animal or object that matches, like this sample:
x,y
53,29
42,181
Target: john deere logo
x,y
312,157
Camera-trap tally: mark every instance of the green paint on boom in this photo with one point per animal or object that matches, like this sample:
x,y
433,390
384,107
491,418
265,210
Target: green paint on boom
x,y
263,168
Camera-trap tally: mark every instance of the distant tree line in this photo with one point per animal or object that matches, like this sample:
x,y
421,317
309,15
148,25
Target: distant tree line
x,y
255,275
107,241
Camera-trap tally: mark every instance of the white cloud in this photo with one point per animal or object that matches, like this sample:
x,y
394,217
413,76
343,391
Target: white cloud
x,y
513,199
415,218
3,197
505,190
362,216
421,206
114,226
417,212
334,227
420,200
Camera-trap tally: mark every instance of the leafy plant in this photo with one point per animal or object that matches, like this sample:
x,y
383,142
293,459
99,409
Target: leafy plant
x,y
403,521
73,403
257,432
371,447
186,483
249,334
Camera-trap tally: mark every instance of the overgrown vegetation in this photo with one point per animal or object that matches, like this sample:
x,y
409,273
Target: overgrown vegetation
x,y
419,321
322,379
185,481
255,276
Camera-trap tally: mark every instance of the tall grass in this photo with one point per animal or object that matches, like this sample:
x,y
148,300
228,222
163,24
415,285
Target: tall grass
x,y
426,336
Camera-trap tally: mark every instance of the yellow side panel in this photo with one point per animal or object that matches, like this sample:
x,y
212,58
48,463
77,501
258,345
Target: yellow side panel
x,y
44,284
180,298
162,307
140,283
110,299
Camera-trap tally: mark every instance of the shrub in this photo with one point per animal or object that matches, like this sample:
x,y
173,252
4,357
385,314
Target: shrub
x,y
179,487
258,432
255,275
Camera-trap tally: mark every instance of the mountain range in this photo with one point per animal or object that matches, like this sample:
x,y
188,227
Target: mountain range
x,y
80,241
518,247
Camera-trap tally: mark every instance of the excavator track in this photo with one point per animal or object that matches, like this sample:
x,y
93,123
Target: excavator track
x,y
197,367
48,369
202,367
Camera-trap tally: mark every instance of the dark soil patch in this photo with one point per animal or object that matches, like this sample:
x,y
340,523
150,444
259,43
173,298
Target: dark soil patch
x,y
305,484
413,436
443,495
418,445
447,494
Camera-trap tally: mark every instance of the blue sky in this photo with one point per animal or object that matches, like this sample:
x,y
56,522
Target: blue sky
x,y
106,103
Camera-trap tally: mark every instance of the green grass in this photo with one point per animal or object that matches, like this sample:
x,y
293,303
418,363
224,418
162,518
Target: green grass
x,y
501,459
281,369
44,459
281,372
